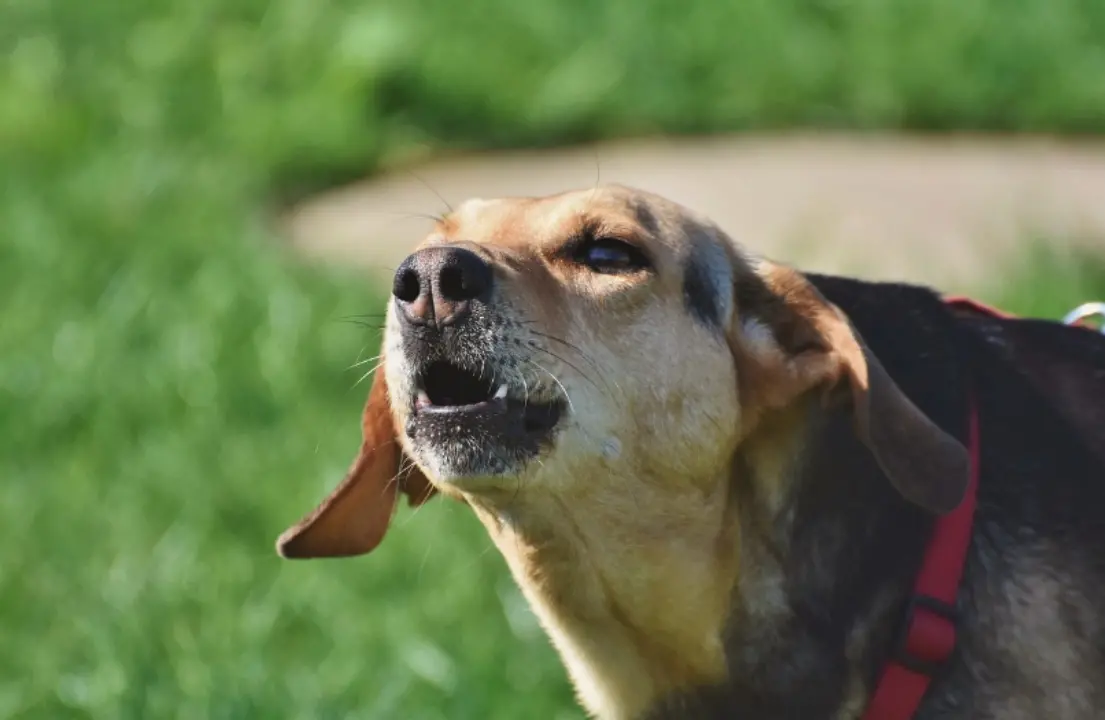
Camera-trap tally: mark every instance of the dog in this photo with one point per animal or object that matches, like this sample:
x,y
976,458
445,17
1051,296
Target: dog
x,y
715,478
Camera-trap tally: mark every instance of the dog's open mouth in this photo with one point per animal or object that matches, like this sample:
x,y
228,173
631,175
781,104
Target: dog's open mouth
x,y
445,389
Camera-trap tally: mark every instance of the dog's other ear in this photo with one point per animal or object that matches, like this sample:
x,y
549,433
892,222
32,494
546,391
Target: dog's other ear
x,y
355,517
788,340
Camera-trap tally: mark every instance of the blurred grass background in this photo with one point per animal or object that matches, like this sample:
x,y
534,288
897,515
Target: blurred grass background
x,y
175,390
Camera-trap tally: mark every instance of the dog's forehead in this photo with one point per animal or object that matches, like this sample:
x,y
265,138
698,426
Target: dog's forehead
x,y
541,222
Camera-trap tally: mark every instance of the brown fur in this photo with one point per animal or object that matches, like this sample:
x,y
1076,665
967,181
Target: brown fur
x,y
660,524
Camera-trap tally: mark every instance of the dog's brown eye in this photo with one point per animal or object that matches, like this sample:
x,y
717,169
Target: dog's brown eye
x,y
610,256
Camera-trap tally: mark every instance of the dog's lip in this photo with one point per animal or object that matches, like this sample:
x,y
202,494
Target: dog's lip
x,y
529,415
483,403
497,401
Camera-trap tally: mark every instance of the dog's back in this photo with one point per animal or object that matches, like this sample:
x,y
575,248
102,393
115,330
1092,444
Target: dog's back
x,y
1032,634
1066,365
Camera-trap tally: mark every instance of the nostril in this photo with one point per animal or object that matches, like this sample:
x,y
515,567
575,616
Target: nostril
x,y
452,284
406,286
466,277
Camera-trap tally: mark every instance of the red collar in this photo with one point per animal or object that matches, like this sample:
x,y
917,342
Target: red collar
x,y
929,628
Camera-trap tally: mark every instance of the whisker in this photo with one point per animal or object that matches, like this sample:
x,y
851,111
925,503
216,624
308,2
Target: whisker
x,y
598,174
555,379
364,316
402,471
429,545
465,566
525,389
362,323
550,353
432,189
363,377
579,351
525,404
359,354
364,362
562,341
403,214
606,389
422,564
387,486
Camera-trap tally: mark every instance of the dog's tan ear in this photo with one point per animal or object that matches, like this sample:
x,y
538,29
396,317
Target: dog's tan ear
x,y
789,340
355,517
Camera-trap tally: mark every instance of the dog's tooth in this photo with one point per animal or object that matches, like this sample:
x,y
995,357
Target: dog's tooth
x,y
500,393
422,400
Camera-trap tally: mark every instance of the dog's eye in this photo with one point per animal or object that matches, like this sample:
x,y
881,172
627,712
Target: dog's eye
x,y
610,256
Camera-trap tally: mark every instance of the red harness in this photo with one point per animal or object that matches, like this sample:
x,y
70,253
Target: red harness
x,y
928,639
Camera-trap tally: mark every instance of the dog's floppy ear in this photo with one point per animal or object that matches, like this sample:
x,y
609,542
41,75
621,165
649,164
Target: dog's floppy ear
x,y
788,340
355,517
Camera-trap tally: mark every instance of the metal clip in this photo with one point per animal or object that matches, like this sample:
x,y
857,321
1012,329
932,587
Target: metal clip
x,y
1087,310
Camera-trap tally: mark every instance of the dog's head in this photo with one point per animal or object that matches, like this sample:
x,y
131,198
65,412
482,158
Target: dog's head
x,y
548,347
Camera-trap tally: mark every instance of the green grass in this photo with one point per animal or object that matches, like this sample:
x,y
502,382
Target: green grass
x,y
298,93
174,391
1049,283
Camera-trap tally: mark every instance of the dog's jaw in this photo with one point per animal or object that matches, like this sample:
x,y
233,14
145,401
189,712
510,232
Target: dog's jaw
x,y
483,442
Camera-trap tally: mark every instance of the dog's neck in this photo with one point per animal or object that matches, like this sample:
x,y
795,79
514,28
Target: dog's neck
x,y
638,603
635,605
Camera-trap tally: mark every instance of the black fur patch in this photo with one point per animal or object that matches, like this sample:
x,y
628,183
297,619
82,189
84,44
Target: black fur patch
x,y
700,292
646,218
700,295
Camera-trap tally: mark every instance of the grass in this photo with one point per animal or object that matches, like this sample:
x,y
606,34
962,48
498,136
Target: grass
x,y
174,390
1049,283
293,94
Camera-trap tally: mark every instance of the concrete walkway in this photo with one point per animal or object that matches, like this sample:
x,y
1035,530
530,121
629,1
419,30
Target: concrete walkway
x,y
949,212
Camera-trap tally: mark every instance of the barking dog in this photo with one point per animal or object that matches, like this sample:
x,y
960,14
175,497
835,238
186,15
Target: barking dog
x,y
714,476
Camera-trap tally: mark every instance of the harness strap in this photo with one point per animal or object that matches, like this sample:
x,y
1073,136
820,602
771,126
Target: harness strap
x,y
929,631
966,303
928,639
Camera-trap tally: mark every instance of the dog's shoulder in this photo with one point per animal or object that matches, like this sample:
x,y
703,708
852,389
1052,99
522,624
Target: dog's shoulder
x,y
1031,621
1064,364
925,342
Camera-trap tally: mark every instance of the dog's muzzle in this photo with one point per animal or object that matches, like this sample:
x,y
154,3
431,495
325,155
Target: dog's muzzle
x,y
471,409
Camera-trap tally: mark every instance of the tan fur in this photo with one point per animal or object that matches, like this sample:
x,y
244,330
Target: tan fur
x,y
626,537
628,564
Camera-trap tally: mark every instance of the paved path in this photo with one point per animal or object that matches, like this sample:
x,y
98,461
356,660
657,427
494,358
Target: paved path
x,y
945,211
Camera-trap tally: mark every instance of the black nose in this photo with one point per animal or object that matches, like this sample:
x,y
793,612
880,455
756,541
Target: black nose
x,y
435,286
